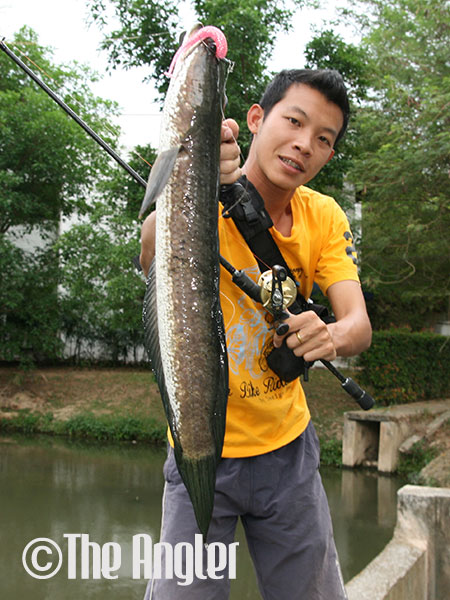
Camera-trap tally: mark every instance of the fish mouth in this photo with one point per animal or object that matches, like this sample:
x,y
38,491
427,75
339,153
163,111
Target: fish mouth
x,y
295,164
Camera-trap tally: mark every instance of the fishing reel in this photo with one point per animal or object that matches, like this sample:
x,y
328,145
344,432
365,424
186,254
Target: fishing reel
x,y
277,289
278,292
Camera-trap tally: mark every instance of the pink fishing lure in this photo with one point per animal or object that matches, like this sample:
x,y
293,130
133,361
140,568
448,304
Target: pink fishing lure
x,y
205,32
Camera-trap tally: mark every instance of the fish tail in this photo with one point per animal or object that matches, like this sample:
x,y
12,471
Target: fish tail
x,y
199,477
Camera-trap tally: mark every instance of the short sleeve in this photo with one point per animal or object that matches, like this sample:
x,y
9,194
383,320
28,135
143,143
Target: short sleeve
x,y
338,258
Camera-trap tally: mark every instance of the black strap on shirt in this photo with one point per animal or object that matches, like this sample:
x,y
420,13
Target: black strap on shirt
x,y
243,203
245,206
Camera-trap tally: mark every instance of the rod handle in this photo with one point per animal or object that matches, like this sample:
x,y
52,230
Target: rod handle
x,y
364,399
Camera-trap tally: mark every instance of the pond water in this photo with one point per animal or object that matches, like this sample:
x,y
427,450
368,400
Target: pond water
x,y
50,487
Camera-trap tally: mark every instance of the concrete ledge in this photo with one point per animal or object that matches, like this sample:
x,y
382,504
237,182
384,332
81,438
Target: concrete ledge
x,y
373,438
398,573
415,565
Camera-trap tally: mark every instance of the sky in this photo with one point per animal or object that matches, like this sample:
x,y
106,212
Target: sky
x,y
63,26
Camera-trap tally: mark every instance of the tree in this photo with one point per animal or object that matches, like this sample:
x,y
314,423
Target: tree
x,y
48,169
401,169
101,293
48,165
29,308
147,36
329,51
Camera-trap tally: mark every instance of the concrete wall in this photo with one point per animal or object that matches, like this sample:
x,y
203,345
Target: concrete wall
x,y
415,565
375,438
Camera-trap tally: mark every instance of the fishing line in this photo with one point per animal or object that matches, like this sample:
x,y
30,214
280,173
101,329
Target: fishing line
x,y
142,158
90,131
74,101
224,214
232,304
36,65
137,37
269,268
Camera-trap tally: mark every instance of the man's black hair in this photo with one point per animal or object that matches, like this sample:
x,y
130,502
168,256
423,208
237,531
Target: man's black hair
x,y
327,81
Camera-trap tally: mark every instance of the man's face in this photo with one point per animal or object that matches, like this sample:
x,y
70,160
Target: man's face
x,y
296,139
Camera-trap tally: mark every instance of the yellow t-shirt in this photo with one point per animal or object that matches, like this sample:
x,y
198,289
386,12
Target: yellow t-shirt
x,y
264,413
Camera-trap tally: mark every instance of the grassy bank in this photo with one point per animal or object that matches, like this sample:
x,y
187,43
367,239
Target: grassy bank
x,y
100,404
116,428
123,404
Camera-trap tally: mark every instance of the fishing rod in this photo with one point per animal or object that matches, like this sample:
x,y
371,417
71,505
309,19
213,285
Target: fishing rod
x,y
241,279
72,114
79,121
274,301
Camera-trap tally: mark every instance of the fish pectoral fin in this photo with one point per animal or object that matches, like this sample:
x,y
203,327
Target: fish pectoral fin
x,y
159,176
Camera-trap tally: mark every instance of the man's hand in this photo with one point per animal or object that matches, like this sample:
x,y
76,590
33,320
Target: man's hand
x,y
308,336
230,154
148,232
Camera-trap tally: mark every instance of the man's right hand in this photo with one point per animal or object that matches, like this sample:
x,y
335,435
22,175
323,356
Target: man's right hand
x,y
230,153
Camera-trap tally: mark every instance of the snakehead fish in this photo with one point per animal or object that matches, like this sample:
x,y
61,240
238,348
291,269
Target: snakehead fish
x,y
183,325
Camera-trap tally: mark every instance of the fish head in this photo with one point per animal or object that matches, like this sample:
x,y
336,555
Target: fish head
x,y
189,33
210,36
195,99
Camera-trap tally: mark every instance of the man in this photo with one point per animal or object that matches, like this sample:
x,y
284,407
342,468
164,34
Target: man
x,y
268,475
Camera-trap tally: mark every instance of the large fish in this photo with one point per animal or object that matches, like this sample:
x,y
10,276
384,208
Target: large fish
x,y
184,331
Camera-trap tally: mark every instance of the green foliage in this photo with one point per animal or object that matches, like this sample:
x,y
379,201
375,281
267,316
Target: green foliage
x,y
48,164
396,309
116,428
329,51
29,308
402,367
48,169
101,294
410,464
25,422
401,169
119,191
331,453
147,36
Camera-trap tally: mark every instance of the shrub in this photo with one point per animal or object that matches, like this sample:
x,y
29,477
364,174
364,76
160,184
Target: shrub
x,y
402,366
86,425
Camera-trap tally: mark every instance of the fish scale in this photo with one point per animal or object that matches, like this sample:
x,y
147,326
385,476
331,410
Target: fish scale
x,y
184,331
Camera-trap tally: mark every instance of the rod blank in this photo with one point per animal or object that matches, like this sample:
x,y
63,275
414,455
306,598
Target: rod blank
x,y
73,114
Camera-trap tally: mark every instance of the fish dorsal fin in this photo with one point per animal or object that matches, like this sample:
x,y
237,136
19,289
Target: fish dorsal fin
x,y
159,176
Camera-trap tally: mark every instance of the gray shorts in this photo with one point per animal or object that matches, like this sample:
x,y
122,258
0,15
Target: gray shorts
x,y
280,499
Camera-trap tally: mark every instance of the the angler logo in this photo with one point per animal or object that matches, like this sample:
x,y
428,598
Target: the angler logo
x,y
84,559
